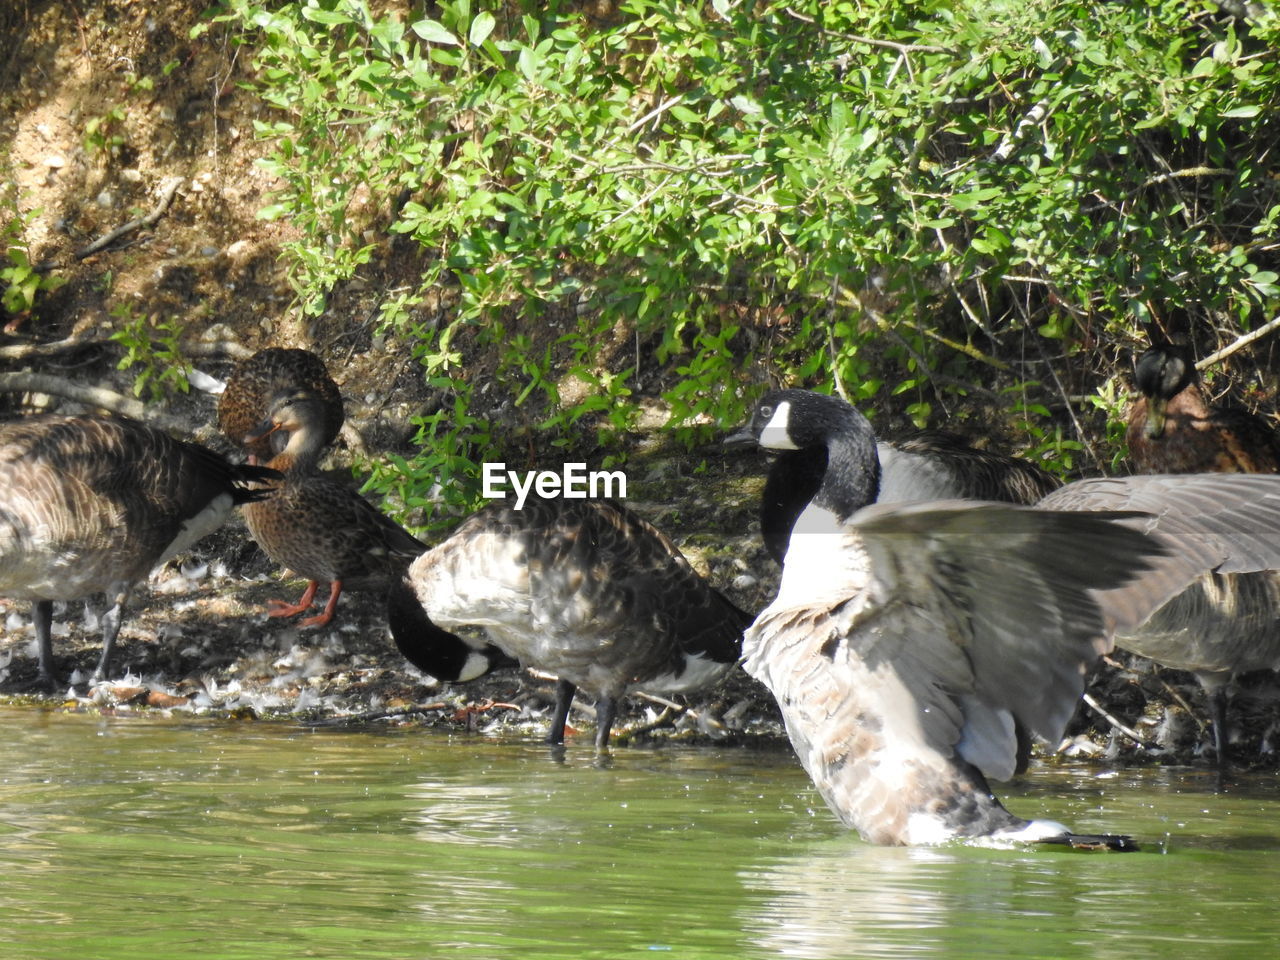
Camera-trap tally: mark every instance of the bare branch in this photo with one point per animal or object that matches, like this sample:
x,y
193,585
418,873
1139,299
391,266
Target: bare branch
x,y
25,382
1268,327
166,198
869,41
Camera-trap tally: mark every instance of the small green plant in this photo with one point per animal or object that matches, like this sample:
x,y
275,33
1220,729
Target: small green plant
x,y
20,280
443,481
151,345
105,132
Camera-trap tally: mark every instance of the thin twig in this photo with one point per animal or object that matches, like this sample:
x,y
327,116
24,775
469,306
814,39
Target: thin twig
x,y
870,41
192,348
1181,701
1127,730
1030,119
166,198
1239,344
656,111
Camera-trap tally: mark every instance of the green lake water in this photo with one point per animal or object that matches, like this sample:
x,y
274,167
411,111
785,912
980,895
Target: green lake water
x,y
155,839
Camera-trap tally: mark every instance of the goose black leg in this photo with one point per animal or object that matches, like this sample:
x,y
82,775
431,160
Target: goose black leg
x,y
42,620
564,696
606,711
1218,715
110,630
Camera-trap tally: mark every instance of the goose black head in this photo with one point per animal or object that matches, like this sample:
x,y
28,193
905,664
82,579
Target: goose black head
x,y
800,422
1161,373
801,419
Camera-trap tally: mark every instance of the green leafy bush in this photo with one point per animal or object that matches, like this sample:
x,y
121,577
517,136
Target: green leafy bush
x,y
932,205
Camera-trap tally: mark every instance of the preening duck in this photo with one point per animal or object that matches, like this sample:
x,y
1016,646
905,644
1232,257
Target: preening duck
x,y
255,382
1174,429
317,527
91,504
908,642
583,589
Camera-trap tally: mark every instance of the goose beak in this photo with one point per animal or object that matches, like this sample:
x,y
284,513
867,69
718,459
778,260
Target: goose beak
x,y
1155,418
741,438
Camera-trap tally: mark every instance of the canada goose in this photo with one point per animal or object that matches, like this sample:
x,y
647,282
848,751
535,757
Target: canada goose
x,y
1227,621
91,504
908,642
256,381
316,526
1226,624
583,589
931,465
1173,429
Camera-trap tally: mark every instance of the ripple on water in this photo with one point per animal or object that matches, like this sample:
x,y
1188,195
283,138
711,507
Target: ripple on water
x,y
120,838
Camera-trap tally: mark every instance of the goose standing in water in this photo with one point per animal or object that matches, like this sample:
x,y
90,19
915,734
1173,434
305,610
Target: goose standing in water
x,y
91,504
583,589
315,526
909,642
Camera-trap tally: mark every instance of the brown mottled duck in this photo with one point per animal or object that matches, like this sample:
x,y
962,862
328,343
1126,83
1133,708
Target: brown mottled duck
x,y
317,527
256,381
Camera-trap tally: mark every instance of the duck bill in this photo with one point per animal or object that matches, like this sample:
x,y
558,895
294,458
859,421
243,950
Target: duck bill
x,y
264,429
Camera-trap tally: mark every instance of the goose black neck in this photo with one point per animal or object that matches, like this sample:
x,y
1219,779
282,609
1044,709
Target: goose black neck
x,y
852,477
425,644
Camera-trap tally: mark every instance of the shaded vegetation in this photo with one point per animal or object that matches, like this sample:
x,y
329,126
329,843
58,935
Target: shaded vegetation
x,y
946,210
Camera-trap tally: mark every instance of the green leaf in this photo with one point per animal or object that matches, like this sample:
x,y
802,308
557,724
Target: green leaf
x,y
481,27
328,17
1243,112
975,198
433,31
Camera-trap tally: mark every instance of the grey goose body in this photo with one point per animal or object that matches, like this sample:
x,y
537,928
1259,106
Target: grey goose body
x,y
1226,621
92,504
931,465
910,642
582,589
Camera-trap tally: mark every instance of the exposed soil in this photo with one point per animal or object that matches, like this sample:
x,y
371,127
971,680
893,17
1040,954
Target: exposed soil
x,y
102,103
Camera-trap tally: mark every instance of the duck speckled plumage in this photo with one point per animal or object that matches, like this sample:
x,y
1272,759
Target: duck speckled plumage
x,y
256,381
1173,428
583,589
91,504
909,643
315,526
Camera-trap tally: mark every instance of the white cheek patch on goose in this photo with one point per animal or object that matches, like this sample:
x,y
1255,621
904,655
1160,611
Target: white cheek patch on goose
x,y
477,665
774,435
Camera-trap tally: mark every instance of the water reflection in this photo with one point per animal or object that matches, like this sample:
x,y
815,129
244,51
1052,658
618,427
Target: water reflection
x,y
839,898
269,842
